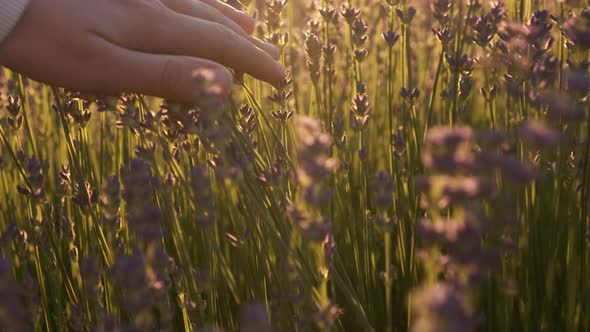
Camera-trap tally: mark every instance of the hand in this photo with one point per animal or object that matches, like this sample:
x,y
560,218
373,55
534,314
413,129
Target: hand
x,y
154,47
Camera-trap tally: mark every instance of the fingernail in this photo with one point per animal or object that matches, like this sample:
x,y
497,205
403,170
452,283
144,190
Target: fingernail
x,y
250,20
248,23
273,51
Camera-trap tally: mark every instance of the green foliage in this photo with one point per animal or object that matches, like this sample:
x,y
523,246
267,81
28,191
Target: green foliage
x,y
247,214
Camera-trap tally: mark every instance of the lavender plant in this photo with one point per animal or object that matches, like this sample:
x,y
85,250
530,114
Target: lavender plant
x,y
425,166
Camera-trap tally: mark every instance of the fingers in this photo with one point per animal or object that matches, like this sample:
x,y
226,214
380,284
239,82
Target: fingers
x,y
244,20
172,33
239,23
168,76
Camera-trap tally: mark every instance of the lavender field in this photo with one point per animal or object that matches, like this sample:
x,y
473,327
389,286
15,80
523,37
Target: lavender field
x,y
424,167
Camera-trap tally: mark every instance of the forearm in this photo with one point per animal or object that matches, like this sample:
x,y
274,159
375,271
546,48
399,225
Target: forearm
x,y
10,12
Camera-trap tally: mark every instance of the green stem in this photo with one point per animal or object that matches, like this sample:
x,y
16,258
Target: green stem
x,y
433,96
26,108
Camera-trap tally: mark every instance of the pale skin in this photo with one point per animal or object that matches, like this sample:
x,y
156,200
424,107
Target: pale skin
x,y
153,47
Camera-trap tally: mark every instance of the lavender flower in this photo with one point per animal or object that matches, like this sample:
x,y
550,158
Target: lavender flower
x,y
14,316
391,38
110,201
454,253
538,135
444,136
315,164
577,30
313,48
35,178
440,308
383,187
254,318
313,228
202,196
143,216
448,150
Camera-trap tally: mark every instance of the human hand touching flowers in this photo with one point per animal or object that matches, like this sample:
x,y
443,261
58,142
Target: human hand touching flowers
x,y
154,47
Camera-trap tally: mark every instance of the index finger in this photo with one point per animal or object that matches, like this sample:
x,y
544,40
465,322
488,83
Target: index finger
x,y
246,21
208,40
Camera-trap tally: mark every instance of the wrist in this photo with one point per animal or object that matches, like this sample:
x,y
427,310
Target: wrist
x,y
10,13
